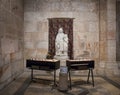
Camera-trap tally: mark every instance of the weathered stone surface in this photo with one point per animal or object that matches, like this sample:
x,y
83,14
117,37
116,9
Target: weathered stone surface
x,y
30,27
1,58
11,37
6,73
111,15
94,27
111,5
16,56
9,45
103,52
111,27
6,4
17,8
43,45
111,50
29,45
117,31
2,30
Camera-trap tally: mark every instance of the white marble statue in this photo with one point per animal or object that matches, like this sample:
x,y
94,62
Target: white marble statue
x,y
61,43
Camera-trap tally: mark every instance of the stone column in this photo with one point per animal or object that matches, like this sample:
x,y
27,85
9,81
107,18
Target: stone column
x,y
103,29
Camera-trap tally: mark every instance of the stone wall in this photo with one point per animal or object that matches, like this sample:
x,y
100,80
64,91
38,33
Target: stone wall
x,y
86,37
11,40
108,64
94,30
118,29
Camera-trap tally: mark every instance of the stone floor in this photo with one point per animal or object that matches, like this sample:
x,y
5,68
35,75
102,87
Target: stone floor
x,y
43,86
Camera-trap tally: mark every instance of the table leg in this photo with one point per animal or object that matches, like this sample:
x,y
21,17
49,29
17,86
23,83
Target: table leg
x,y
32,74
70,79
92,77
54,77
88,76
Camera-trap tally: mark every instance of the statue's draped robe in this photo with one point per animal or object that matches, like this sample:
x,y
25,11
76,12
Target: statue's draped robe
x,y
61,43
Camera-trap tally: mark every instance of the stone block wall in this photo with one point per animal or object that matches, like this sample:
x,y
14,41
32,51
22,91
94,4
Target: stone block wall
x,y
118,29
94,30
11,40
86,37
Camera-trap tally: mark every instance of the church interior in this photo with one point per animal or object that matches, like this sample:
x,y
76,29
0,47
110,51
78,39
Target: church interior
x,y
59,47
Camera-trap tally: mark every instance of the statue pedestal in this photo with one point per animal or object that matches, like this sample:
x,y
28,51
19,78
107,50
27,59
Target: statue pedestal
x,y
62,59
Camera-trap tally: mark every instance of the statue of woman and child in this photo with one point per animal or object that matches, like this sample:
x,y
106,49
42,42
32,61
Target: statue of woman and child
x,y
61,43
